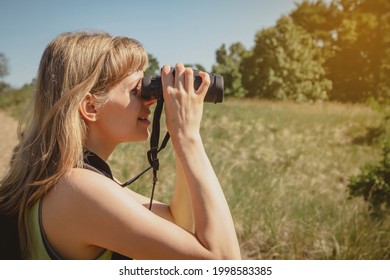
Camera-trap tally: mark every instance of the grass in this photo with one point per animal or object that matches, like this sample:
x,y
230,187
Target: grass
x,y
284,168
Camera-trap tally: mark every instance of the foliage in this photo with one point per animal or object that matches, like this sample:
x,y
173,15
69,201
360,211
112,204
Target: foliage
x,y
4,87
228,65
196,66
320,20
15,100
373,182
355,37
3,72
342,53
3,66
153,67
285,64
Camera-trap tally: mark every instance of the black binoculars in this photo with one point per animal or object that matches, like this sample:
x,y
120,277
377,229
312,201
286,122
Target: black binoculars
x,y
152,88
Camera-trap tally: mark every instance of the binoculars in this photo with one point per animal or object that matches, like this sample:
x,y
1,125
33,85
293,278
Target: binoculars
x,y
152,87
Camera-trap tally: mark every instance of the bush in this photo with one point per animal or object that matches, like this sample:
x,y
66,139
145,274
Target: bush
x,y
4,87
373,183
15,100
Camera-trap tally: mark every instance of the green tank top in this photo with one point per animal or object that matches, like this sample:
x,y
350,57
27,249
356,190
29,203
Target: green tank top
x,y
40,247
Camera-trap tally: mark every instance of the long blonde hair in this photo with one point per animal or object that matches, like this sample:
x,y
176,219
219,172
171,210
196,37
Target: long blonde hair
x,y
52,134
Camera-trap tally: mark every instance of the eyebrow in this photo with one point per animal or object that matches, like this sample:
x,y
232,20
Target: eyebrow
x,y
133,84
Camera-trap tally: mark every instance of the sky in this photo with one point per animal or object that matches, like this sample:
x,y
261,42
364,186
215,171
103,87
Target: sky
x,y
172,30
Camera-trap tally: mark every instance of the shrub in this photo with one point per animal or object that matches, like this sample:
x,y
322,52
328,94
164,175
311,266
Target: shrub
x,y
15,100
373,183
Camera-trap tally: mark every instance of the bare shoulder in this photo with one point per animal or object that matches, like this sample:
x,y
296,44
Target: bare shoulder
x,y
84,178
74,209
87,194
85,183
86,212
82,188
89,184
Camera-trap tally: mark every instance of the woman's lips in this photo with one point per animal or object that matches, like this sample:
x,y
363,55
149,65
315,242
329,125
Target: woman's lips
x,y
144,121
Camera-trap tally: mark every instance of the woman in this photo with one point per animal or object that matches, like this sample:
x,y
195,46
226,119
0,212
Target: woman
x,y
87,101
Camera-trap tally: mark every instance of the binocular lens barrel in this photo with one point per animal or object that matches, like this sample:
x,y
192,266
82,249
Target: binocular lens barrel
x,y
152,88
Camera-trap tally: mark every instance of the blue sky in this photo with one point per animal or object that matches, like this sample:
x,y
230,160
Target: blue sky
x,y
172,31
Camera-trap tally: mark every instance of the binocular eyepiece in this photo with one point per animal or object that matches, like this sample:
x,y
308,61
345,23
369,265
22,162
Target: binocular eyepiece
x,y
152,87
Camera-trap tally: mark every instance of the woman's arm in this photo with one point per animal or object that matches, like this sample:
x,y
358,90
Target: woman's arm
x,y
183,108
181,204
179,211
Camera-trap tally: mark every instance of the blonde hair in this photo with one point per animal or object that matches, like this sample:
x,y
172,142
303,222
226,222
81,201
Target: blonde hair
x,y
52,138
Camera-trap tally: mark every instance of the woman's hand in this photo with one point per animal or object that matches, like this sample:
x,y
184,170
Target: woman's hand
x,y
183,104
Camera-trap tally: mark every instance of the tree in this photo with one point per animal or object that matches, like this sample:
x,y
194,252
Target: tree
x,y
320,20
285,63
196,66
228,65
357,65
355,37
153,67
3,72
3,66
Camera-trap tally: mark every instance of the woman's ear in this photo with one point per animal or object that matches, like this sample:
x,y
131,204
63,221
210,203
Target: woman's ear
x,y
87,108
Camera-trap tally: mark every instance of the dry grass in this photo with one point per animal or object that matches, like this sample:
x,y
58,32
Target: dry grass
x,y
284,168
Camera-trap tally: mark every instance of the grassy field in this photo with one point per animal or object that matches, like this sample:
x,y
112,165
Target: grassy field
x,y
284,168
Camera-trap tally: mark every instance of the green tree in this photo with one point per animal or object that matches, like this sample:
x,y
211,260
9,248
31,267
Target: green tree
x,y
286,63
228,65
357,66
320,19
196,66
3,72
355,37
3,66
153,67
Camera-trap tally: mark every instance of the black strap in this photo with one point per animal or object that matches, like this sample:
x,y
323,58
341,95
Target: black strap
x,y
49,249
95,163
154,150
155,137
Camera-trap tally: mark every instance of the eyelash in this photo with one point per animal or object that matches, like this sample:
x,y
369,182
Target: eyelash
x,y
136,89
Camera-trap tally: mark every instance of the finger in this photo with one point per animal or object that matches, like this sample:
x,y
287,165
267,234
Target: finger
x,y
189,80
179,78
166,78
204,86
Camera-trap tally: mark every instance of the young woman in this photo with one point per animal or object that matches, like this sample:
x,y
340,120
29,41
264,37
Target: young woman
x,y
87,101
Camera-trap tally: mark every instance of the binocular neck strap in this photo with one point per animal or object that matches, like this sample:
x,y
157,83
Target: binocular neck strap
x,y
154,149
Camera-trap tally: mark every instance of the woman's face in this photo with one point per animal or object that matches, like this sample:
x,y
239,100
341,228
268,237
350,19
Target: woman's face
x,y
124,117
